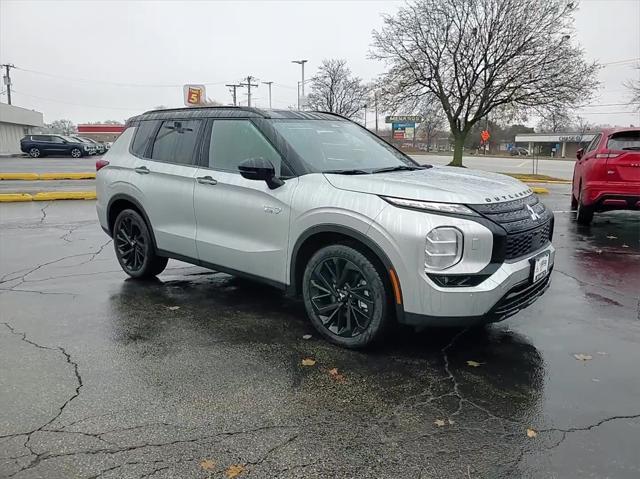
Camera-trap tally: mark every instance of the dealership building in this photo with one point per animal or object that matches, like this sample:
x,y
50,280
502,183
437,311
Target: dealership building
x,y
559,145
16,122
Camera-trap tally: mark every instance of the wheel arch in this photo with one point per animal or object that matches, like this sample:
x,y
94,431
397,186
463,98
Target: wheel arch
x,y
122,202
319,236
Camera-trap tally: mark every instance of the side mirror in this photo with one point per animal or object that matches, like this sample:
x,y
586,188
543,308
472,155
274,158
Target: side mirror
x,y
261,170
580,153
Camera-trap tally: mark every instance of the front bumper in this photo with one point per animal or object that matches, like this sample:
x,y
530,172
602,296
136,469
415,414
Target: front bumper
x,y
503,294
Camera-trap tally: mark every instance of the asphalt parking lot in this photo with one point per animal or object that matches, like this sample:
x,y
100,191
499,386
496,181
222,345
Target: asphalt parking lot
x,y
199,375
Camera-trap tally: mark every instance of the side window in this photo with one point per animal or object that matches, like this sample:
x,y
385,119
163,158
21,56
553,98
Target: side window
x,y
56,139
234,141
176,141
594,143
143,137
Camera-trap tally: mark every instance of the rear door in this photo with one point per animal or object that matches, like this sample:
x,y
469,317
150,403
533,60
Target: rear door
x,y
242,224
165,166
623,156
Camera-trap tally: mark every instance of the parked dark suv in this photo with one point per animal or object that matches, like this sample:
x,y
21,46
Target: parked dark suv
x,y
42,145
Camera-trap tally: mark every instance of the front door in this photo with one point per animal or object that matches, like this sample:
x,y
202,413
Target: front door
x,y
242,225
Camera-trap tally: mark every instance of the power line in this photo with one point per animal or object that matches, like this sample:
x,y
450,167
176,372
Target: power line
x,y
249,85
80,104
232,88
618,62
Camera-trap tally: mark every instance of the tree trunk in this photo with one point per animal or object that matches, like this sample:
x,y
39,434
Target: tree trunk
x,y
458,139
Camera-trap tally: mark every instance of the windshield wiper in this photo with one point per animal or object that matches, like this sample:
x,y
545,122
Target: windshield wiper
x,y
398,168
347,172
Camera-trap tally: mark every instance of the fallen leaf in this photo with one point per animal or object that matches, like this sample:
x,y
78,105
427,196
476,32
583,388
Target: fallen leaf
x,y
234,471
208,464
307,336
439,422
173,308
308,362
583,357
474,364
336,375
611,237
531,433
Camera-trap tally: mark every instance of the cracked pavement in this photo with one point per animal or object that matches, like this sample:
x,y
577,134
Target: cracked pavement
x,y
103,377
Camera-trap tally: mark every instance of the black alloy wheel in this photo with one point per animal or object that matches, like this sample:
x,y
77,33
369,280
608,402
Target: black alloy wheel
x,y
134,247
345,297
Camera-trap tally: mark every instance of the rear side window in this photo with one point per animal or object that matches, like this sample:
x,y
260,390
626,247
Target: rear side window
x,y
594,143
40,138
143,137
627,140
176,141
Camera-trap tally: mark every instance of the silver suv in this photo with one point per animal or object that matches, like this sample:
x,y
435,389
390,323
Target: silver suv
x,y
316,205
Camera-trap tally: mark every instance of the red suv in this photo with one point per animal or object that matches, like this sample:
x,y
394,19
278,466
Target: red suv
x,y
607,174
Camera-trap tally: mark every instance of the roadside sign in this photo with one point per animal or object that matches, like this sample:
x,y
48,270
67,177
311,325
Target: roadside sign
x,y
194,95
485,135
403,130
403,118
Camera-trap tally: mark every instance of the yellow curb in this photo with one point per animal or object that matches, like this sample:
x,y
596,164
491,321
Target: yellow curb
x,y
15,197
47,176
68,176
539,190
19,176
557,182
64,195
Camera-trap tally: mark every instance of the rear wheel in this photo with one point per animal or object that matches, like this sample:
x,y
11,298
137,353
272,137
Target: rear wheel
x,y
585,213
134,246
345,297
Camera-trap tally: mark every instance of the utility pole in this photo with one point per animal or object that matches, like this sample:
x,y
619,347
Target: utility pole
x,y
232,89
268,83
301,63
375,102
7,80
249,85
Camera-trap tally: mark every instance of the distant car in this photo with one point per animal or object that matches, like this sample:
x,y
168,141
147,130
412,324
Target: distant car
x,y
607,174
519,151
100,148
47,144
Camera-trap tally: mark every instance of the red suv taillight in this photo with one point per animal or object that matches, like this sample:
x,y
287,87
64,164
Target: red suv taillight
x,y
607,155
101,164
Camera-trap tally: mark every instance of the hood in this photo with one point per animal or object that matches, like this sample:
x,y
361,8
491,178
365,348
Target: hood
x,y
443,184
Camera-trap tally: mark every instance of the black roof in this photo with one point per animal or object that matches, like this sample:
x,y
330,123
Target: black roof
x,y
232,112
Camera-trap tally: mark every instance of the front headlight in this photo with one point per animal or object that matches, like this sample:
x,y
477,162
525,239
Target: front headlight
x,y
431,206
443,248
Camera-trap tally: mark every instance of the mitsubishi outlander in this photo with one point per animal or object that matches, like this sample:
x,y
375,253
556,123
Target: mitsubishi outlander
x,y
316,205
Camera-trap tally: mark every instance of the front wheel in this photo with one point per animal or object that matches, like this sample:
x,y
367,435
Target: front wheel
x,y
76,153
345,297
134,246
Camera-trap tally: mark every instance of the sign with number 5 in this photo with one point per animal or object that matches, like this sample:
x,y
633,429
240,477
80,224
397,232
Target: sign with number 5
x,y
194,95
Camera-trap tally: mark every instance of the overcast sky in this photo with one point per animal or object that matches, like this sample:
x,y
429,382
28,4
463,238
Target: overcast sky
x,y
101,60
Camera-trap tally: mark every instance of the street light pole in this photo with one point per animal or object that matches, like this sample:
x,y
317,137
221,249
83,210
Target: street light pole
x,y
301,63
268,83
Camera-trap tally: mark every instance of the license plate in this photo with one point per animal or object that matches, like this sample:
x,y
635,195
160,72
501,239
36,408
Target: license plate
x,y
540,266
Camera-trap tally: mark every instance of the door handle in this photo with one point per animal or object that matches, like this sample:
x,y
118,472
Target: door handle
x,y
143,170
206,180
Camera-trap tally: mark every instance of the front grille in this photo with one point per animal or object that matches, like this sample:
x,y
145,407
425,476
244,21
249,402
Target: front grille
x,y
524,233
519,298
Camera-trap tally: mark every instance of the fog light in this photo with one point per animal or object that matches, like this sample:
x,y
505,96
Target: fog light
x,y
443,248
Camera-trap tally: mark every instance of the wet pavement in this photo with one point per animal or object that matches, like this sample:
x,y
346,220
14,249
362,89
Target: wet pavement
x,y
199,375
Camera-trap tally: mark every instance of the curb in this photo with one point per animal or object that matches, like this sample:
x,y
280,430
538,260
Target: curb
x,y
47,196
539,190
47,176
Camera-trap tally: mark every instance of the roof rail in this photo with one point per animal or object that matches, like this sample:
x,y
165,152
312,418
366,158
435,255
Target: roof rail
x,y
212,107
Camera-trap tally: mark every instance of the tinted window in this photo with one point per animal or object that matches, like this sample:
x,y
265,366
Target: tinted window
x,y
628,140
39,138
143,136
234,141
594,143
56,139
176,141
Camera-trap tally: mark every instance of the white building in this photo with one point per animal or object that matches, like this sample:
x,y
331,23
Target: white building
x,y
562,144
15,122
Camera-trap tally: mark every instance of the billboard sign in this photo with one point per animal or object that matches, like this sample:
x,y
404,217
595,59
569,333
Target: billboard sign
x,y
403,130
403,118
194,95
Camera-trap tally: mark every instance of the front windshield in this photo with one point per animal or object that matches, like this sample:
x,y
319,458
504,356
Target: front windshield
x,y
335,146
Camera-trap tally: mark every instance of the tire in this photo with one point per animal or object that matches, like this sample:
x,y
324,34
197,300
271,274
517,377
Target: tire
x,y
35,152
76,153
585,213
574,202
345,297
134,246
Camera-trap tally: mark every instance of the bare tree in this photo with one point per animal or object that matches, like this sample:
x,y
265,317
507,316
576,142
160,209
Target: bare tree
x,y
555,119
634,88
64,127
335,89
433,120
481,56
